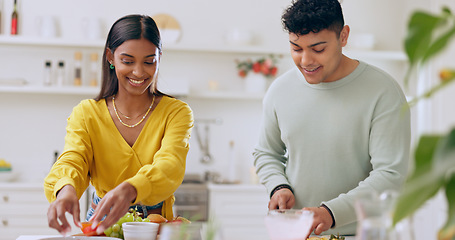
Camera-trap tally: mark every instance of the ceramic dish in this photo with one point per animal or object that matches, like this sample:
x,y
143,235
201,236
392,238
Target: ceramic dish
x,y
8,176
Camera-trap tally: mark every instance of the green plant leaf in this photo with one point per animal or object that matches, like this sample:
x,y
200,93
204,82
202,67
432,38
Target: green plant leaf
x,y
424,154
431,91
418,39
415,193
444,158
434,158
448,231
423,184
439,44
420,43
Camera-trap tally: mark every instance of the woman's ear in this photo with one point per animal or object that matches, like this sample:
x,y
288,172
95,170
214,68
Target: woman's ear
x,y
344,35
109,56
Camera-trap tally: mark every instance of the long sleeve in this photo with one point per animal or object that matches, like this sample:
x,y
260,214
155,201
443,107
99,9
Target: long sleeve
x,y
72,167
95,151
331,141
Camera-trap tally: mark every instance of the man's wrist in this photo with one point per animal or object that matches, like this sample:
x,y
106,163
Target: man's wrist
x,y
331,214
281,186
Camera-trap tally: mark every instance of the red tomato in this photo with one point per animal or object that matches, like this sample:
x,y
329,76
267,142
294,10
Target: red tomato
x,y
87,229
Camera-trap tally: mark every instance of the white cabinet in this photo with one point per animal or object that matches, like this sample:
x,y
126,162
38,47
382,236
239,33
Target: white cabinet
x,y
239,210
23,211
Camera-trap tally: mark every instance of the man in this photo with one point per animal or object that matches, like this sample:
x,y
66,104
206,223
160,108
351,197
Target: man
x,y
332,127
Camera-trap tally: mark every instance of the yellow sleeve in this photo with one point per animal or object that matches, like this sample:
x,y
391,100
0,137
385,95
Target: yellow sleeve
x,y
159,180
72,165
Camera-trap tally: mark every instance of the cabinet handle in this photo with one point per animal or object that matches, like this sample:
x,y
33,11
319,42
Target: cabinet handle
x,y
5,198
5,223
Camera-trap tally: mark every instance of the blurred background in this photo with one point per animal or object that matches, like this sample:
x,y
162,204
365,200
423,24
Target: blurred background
x,y
202,43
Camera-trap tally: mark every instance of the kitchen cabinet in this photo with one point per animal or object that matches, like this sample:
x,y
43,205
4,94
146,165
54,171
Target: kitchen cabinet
x,y
23,210
239,210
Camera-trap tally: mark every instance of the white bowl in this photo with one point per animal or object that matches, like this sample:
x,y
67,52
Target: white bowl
x,y
288,224
8,176
140,230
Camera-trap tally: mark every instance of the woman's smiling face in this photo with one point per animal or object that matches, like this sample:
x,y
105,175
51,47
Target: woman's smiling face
x,y
136,64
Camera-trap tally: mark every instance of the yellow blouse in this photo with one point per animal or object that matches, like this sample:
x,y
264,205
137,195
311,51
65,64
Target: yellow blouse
x,y
96,152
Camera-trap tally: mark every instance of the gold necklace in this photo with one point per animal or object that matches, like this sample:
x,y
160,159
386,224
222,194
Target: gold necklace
x,y
118,110
140,121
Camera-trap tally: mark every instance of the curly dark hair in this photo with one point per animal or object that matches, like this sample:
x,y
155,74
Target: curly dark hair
x,y
305,16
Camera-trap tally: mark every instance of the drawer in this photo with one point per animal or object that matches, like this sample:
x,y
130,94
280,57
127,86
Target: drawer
x,y
14,233
12,227
17,209
21,196
23,221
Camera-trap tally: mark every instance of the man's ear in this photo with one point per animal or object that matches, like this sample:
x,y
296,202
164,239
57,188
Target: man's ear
x,y
344,35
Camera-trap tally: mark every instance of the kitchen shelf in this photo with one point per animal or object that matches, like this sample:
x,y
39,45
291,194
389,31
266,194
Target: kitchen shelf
x,y
49,42
182,47
232,95
62,42
92,91
376,54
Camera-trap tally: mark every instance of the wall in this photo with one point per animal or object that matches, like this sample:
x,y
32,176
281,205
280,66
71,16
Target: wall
x,y
32,126
35,126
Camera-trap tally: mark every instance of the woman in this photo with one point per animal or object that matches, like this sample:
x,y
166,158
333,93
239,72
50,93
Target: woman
x,y
130,143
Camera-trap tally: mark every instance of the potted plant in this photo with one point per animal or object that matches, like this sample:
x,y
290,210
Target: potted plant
x,y
257,72
429,34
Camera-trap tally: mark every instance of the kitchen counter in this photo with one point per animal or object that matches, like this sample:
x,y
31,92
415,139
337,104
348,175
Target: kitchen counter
x,y
235,187
35,237
38,237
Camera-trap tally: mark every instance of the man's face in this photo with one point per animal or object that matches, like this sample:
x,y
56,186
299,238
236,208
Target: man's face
x,y
319,55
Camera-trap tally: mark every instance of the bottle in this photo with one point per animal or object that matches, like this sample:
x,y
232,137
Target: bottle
x,y
93,69
14,20
61,73
47,73
77,69
1,8
232,167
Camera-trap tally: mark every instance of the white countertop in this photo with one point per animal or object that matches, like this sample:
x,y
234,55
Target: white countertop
x,y
35,237
38,237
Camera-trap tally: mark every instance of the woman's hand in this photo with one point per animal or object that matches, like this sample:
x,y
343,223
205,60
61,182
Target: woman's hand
x,y
282,199
66,201
113,205
322,220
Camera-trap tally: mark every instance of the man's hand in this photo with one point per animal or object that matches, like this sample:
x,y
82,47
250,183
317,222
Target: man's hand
x,y
282,199
113,205
322,220
66,201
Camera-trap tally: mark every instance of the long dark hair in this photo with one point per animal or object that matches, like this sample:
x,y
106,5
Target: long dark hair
x,y
127,28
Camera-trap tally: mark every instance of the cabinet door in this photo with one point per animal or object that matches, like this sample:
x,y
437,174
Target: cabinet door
x,y
241,213
23,211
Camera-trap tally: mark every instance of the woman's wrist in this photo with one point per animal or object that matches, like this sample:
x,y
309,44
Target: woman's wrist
x,y
129,191
65,189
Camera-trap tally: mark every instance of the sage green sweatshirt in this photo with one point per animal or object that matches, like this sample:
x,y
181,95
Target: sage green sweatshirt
x,y
331,141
